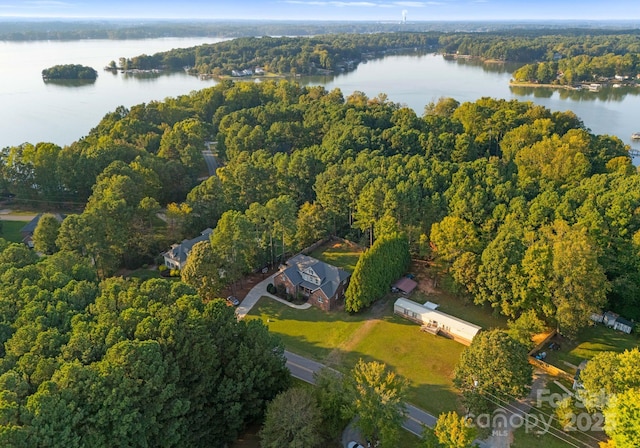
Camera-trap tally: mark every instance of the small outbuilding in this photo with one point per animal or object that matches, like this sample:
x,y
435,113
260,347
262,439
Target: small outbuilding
x,y
597,317
405,285
622,324
436,321
609,318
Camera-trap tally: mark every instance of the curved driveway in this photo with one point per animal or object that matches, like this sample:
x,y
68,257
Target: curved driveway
x,y
260,290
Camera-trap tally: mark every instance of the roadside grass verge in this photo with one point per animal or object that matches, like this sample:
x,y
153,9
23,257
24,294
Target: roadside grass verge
x,y
339,340
337,253
11,230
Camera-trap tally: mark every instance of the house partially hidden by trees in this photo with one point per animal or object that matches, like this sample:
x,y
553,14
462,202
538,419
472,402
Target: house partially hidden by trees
x,y
30,227
436,321
176,257
321,283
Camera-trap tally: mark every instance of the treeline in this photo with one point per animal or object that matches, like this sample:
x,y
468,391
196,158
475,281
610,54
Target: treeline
x,y
302,55
564,57
503,194
69,71
147,29
583,68
124,363
542,44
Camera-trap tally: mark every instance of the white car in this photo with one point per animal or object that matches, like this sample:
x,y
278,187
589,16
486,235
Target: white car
x,y
353,444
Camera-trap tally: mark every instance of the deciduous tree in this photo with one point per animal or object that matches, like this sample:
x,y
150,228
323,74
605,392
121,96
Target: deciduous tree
x,y
292,420
46,233
378,401
494,367
454,431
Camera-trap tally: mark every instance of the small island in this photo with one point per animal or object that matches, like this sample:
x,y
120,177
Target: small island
x,y
69,72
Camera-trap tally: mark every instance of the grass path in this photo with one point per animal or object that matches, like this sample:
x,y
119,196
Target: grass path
x,y
335,358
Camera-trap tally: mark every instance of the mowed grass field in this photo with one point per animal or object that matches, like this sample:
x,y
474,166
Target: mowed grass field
x,y
337,253
589,342
11,230
339,340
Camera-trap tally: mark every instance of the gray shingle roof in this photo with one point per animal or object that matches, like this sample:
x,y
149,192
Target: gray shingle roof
x,y
180,252
330,276
29,227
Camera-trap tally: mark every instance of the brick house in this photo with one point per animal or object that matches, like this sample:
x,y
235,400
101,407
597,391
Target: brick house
x,y
322,283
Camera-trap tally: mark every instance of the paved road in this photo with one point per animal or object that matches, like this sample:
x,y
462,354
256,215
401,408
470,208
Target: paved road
x,y
8,216
304,368
210,160
301,367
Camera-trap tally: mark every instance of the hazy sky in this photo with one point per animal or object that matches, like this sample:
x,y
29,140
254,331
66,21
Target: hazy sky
x,y
383,10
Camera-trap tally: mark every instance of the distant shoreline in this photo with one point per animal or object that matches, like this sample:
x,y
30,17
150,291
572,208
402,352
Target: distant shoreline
x,y
533,84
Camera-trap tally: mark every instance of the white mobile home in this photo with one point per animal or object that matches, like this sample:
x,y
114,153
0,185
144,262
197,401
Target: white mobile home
x,y
460,330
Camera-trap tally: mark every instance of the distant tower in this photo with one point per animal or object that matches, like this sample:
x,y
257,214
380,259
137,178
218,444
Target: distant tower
x,y
404,16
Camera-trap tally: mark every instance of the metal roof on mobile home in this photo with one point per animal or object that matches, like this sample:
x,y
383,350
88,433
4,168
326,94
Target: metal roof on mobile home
x,y
457,327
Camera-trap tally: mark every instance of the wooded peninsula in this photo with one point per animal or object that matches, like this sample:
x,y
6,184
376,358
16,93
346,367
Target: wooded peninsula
x,y
518,209
563,58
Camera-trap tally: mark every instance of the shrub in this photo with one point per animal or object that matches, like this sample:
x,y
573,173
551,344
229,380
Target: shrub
x,y
162,268
271,289
174,273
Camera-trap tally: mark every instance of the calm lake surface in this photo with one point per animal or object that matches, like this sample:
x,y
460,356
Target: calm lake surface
x,y
34,111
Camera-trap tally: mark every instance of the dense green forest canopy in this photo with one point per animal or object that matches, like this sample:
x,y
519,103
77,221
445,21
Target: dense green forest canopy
x,y
302,55
69,71
124,363
521,208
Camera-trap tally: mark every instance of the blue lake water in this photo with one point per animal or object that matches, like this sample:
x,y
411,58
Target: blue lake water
x,y
34,111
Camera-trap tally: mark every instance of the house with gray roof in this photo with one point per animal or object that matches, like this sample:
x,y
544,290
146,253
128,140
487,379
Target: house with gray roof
x,y
321,283
176,257
30,227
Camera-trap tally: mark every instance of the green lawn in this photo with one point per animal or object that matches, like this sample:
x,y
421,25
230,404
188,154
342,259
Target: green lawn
x,y
589,342
462,309
145,274
313,332
338,254
339,340
11,230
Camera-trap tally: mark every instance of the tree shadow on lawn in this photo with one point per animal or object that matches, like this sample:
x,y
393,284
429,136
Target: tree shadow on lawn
x,y
432,396
590,342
